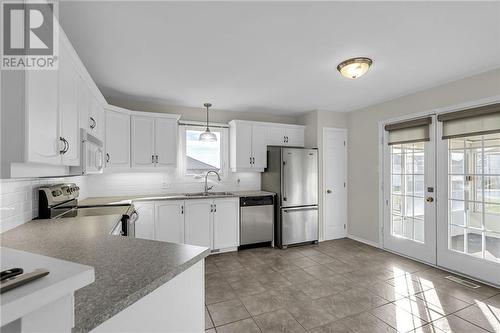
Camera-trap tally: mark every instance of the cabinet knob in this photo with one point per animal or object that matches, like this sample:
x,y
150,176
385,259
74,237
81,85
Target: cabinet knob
x,y
328,191
429,199
93,123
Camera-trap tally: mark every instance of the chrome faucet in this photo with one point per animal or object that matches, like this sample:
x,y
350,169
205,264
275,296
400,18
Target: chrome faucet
x,y
208,188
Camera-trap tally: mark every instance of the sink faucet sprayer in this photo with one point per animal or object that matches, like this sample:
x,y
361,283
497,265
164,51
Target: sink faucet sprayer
x,y
208,188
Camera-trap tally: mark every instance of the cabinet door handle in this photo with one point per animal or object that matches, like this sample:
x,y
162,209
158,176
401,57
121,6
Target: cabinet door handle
x,y
250,159
156,159
153,159
211,208
107,157
215,208
66,145
182,209
93,123
253,160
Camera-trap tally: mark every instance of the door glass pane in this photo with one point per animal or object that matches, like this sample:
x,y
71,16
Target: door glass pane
x,y
457,238
492,246
407,191
474,195
474,243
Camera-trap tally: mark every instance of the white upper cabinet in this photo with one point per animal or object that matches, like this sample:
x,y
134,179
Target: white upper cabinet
x,y
145,224
96,118
249,141
294,136
240,145
154,140
226,230
143,142
166,142
43,144
117,138
68,108
275,135
169,221
259,146
285,135
198,222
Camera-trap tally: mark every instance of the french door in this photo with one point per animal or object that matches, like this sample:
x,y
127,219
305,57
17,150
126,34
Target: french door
x,y
469,206
442,190
409,190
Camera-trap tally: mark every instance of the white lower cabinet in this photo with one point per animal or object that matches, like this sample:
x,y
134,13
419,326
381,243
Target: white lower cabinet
x,y
169,221
213,223
198,222
226,226
145,225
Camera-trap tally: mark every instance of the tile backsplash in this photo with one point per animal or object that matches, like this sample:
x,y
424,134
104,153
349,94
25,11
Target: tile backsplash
x,y
19,198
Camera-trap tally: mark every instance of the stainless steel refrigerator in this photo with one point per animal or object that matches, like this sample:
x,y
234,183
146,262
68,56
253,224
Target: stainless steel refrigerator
x,y
292,173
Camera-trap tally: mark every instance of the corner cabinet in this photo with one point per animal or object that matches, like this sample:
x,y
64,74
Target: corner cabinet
x,y
153,140
248,141
117,136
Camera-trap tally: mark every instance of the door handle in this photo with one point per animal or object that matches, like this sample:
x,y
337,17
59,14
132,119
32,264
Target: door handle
x,y
288,210
107,157
429,199
328,191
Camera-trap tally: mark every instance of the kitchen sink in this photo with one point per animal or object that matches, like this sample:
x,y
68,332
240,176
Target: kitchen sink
x,y
208,194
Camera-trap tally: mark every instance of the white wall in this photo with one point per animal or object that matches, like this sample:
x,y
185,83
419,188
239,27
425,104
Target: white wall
x,y
19,198
363,142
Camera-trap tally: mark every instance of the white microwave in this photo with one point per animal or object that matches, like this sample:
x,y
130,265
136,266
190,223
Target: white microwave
x,y
91,155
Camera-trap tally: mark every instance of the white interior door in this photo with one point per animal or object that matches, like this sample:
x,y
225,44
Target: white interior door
x,y
469,206
334,183
409,205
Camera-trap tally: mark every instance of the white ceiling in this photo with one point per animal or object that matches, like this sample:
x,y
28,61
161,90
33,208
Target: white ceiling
x,y
279,57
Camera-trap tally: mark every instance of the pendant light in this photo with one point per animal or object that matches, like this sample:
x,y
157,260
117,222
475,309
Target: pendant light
x,y
354,67
207,136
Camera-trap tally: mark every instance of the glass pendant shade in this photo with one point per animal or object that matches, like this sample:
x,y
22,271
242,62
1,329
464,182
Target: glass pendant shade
x,y
355,67
207,136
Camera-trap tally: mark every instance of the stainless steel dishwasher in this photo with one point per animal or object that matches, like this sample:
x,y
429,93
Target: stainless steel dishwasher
x,y
256,221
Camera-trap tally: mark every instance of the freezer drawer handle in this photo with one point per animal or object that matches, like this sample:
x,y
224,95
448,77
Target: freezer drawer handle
x,y
299,209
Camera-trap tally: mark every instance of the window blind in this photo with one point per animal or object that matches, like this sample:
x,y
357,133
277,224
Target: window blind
x,y
416,130
477,121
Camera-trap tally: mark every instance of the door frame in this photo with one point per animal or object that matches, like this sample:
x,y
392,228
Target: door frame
x,y
323,185
439,181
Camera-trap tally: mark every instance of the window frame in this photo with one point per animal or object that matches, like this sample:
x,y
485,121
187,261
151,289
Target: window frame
x,y
224,151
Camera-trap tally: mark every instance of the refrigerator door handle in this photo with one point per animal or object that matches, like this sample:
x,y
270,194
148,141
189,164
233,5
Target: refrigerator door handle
x,y
286,210
283,182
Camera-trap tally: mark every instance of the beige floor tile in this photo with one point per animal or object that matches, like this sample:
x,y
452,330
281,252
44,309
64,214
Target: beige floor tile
x,y
303,262
387,291
261,303
227,312
319,271
454,324
277,322
247,287
366,323
218,293
334,327
298,276
398,318
208,320
318,288
242,326
418,308
309,314
441,302
482,315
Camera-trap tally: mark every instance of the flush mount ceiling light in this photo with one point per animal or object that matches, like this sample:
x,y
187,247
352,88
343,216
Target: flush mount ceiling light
x,y
354,67
207,136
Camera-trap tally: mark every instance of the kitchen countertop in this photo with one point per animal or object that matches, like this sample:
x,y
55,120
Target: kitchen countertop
x,y
126,269
120,200
63,279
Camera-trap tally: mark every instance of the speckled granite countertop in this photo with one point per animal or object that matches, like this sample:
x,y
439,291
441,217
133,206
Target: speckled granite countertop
x,y
126,269
118,200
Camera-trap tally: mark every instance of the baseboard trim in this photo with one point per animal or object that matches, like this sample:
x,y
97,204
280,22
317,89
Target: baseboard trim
x,y
362,240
